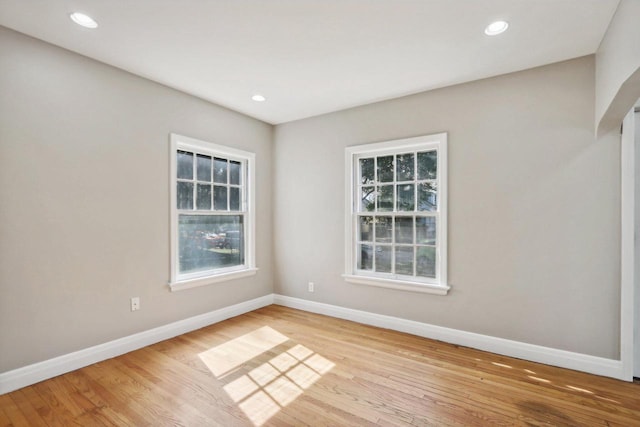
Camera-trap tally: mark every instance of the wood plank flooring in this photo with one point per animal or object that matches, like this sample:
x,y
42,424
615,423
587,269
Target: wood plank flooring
x,y
282,367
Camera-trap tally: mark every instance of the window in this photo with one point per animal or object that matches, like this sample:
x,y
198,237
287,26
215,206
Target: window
x,y
396,214
212,221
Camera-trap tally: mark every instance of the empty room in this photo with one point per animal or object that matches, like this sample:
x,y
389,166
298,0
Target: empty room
x,y
319,212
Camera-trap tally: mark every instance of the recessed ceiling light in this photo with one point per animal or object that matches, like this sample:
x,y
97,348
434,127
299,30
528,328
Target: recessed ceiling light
x,y
83,20
496,28
258,98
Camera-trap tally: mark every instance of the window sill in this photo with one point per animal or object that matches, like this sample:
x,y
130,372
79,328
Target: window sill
x,y
203,281
402,285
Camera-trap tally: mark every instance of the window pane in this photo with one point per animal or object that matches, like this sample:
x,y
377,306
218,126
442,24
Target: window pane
x,y
428,196
426,230
366,228
405,167
428,165
219,198
220,170
367,199
426,262
234,172
385,169
367,171
185,195
234,199
203,198
384,229
385,198
185,165
383,259
204,168
364,257
404,260
207,242
405,197
404,230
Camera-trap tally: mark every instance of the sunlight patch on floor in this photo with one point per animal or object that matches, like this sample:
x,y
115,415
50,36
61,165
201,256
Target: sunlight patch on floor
x,y
502,365
225,357
606,399
581,390
539,379
264,390
259,407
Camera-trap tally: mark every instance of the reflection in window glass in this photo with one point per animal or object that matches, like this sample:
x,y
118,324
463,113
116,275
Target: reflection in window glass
x,y
405,167
405,197
427,196
367,171
404,230
398,210
203,197
426,230
404,260
234,172
366,228
220,171
368,199
219,198
383,259
385,198
185,165
426,261
384,229
365,260
385,169
427,165
234,199
204,168
207,242
212,213
185,195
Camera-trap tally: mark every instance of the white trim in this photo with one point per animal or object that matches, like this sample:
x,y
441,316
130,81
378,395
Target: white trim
x,y
31,374
187,143
426,142
426,288
180,142
442,231
627,242
535,353
209,280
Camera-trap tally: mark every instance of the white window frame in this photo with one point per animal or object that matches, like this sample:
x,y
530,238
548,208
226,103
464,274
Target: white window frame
x,y
438,285
191,280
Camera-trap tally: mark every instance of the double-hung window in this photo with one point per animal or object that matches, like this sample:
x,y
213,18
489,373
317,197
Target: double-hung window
x,y
396,214
212,219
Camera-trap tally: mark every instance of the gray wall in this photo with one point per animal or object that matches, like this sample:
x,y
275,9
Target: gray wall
x,y
84,155
84,201
533,208
618,67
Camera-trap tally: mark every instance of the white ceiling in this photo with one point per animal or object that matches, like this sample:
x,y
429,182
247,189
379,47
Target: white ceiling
x,y
310,57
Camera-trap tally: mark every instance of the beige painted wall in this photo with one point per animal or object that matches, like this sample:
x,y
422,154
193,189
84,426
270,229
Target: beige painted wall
x,y
84,201
533,208
618,67
534,205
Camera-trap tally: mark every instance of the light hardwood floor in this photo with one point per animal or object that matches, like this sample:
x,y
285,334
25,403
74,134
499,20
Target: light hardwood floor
x,y
284,367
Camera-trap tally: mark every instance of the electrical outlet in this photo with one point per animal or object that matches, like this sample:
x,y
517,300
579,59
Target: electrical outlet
x,y
135,303
311,287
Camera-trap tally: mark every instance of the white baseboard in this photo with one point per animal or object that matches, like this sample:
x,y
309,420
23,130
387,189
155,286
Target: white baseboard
x,y
535,353
31,374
